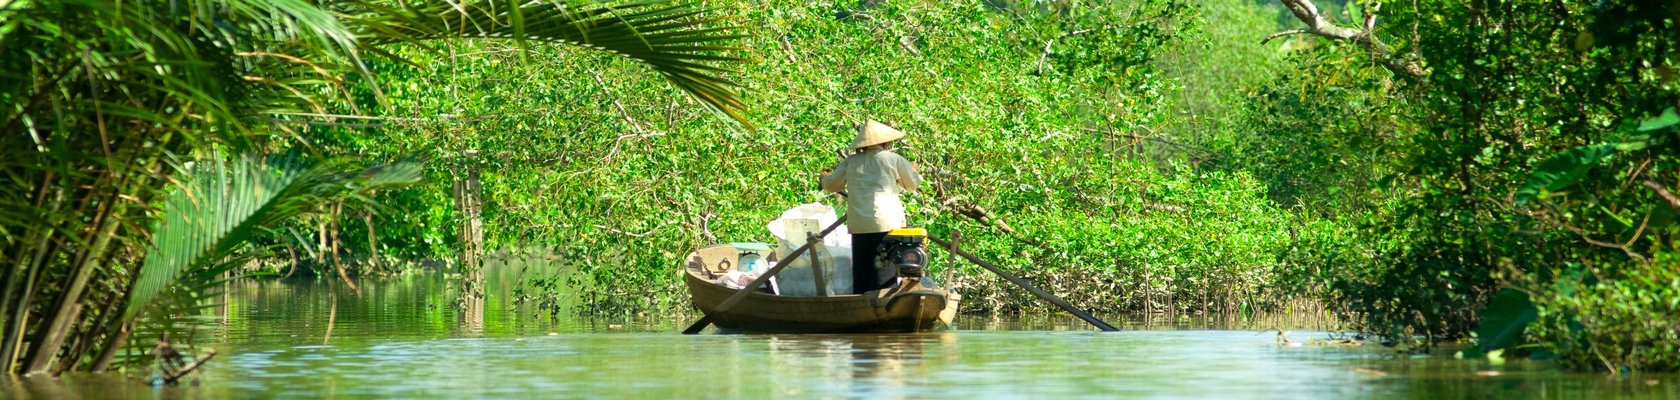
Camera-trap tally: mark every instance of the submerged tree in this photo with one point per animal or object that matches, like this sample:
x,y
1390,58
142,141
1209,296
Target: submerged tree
x,y
105,102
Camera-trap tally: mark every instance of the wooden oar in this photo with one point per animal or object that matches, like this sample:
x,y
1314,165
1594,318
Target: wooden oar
x,y
751,287
1024,285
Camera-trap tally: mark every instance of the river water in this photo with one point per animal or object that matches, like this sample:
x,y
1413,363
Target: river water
x,y
401,338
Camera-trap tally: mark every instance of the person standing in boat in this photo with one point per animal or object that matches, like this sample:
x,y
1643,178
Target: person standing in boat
x,y
872,176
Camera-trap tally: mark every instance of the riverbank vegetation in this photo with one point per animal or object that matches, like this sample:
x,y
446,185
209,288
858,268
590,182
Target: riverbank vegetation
x,y
1429,171
1492,166
150,147
1133,163
1040,155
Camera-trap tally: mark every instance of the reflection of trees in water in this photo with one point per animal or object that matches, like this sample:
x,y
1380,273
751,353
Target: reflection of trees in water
x,y
861,365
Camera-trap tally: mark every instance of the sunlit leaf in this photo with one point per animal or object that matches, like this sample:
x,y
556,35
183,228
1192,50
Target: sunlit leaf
x,y
677,40
1504,321
1668,118
1561,170
222,204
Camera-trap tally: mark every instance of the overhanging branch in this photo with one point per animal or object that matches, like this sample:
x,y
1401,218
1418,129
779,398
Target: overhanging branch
x,y
1661,192
1405,64
1282,34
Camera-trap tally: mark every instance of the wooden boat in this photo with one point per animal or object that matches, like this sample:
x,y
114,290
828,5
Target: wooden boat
x,y
908,307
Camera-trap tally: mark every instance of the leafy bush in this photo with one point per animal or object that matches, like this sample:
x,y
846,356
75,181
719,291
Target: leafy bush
x,y
1617,324
1046,140
1500,168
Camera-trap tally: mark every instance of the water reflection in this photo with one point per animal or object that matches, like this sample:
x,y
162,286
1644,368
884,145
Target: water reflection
x,y
866,366
401,338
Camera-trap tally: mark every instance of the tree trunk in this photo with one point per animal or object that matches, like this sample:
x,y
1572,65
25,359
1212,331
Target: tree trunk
x,y
47,345
321,246
291,254
111,348
44,245
373,241
101,323
467,203
337,212
472,239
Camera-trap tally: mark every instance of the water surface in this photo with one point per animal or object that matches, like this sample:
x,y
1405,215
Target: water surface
x,y
401,338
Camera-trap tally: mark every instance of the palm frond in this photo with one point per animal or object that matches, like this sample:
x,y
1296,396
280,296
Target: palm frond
x,y
673,39
95,94
217,209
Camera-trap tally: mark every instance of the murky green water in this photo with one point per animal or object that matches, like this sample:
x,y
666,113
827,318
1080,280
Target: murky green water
x,y
399,338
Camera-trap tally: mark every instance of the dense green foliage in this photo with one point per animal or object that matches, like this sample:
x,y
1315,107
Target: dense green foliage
x,y
207,224
1517,184
1497,170
1041,157
104,101
1529,156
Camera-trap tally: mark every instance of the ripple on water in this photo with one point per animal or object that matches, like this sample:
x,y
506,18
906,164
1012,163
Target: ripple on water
x,y
394,341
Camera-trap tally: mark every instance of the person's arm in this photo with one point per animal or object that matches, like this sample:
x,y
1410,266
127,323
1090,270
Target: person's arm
x,y
835,181
907,176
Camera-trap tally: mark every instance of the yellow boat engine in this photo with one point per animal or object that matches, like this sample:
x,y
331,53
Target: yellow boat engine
x,y
906,250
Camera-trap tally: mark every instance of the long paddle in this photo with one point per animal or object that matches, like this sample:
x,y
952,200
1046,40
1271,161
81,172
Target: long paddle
x,y
1023,284
751,287
1030,288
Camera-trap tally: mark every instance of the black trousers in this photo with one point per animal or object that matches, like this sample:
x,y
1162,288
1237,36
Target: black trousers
x,y
867,276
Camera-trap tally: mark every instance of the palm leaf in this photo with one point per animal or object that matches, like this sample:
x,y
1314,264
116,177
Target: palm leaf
x,y
97,91
1562,170
221,205
1503,322
672,39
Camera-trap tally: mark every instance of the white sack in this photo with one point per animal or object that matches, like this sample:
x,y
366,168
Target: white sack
x,y
834,251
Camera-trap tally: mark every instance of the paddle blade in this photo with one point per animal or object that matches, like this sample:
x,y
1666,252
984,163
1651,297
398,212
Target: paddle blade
x,y
698,325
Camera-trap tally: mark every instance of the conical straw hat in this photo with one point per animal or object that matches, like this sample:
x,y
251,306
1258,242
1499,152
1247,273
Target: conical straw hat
x,y
873,132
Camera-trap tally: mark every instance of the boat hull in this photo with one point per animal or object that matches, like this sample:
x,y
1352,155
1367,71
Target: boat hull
x,y
908,309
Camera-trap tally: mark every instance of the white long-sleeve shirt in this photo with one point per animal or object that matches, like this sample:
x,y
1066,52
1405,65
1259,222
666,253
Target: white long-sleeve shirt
x,y
873,180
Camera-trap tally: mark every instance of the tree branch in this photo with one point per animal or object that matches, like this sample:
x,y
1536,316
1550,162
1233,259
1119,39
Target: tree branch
x,y
631,234
1039,70
786,45
908,43
1371,17
1270,37
986,218
634,127
1400,64
1657,187
1618,246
